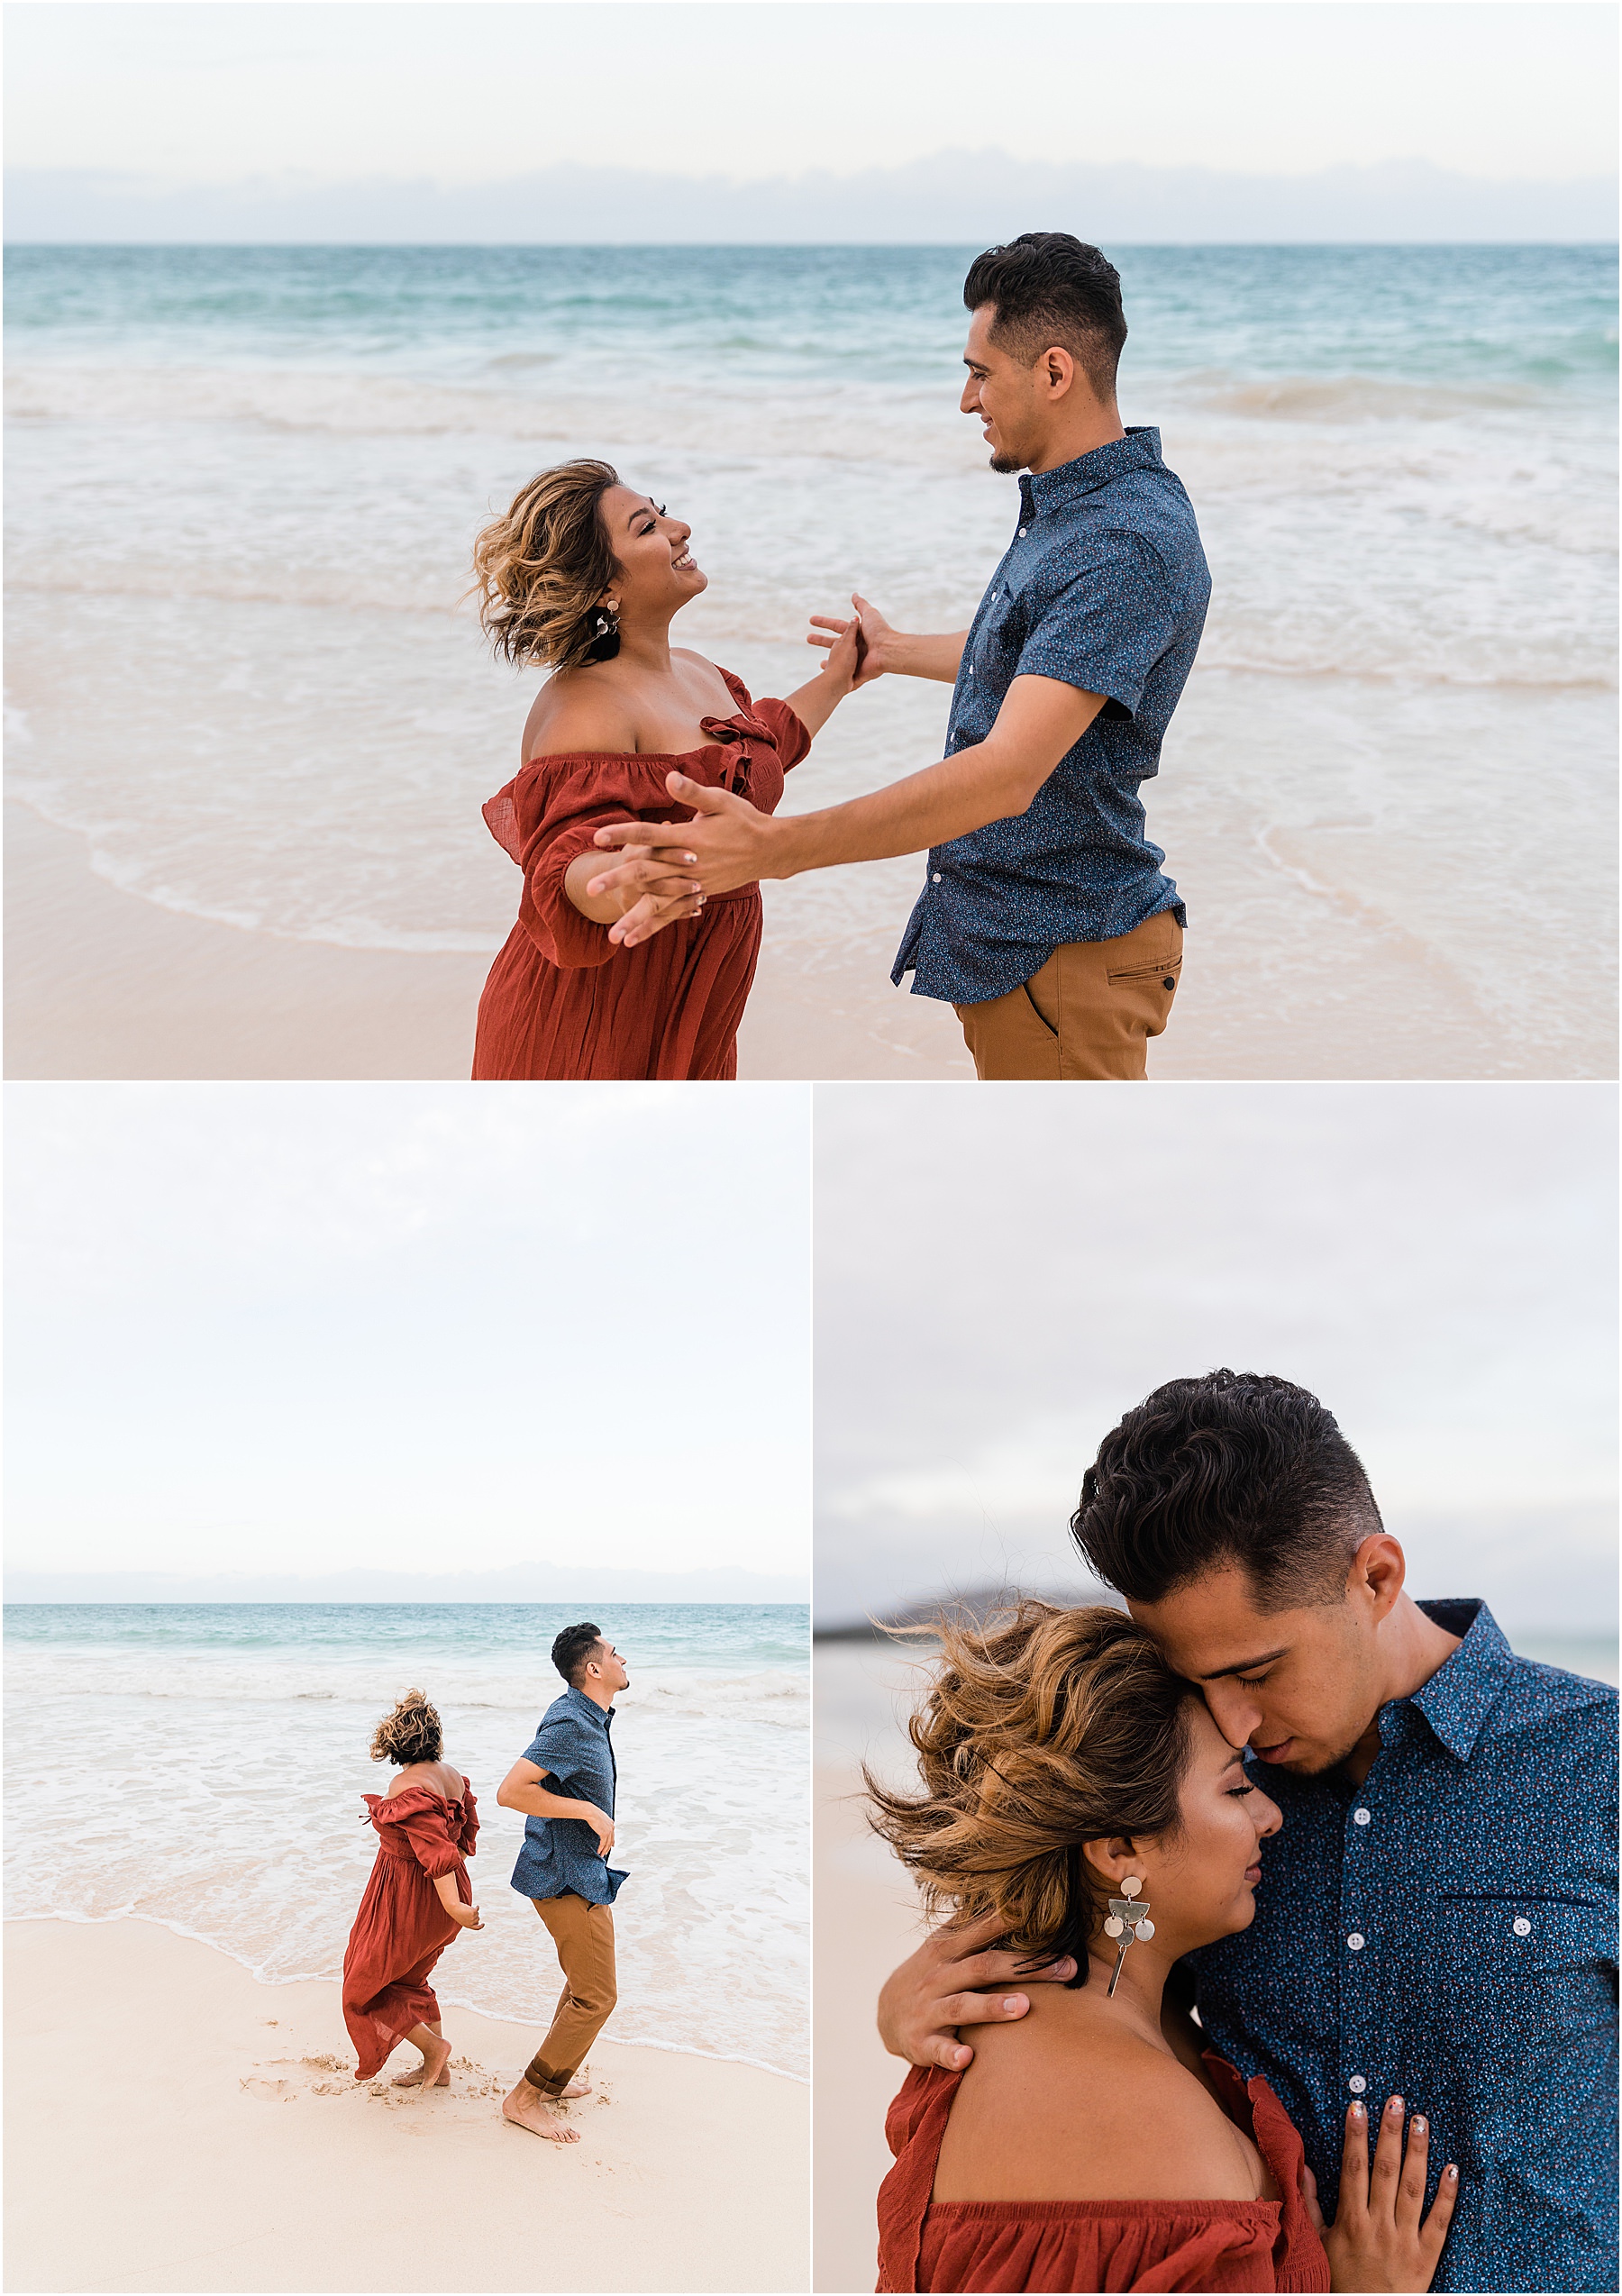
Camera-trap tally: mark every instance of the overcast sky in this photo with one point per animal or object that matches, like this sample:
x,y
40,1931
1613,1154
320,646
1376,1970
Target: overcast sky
x,y
211,91
315,1327
996,1284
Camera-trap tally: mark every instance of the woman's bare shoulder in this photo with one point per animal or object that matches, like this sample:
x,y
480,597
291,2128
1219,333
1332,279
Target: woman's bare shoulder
x,y
1084,2111
577,711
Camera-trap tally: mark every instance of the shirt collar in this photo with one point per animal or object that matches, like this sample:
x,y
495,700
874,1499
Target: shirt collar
x,y
588,1709
1464,1690
1041,490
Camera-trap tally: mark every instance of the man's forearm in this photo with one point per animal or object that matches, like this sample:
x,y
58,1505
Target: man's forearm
x,y
536,1802
929,808
936,656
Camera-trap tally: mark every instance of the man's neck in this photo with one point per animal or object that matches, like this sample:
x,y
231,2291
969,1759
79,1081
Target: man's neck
x,y
1099,426
1413,1648
597,1693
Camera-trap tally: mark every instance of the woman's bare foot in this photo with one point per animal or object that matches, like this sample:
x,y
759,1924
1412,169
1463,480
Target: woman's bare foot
x,y
413,2077
526,2109
437,2058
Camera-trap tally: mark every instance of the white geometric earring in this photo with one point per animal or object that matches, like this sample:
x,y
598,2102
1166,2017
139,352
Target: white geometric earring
x,y
1128,1921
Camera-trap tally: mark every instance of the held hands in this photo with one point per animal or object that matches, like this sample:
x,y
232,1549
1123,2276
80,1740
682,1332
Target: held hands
x,y
725,844
870,634
651,891
930,1995
1378,2240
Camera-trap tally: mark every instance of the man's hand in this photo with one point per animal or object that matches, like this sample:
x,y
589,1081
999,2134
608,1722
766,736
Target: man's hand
x,y
602,1827
925,2001
883,649
871,631
727,842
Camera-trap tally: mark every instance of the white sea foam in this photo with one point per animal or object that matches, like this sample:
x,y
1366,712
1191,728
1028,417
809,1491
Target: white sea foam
x,y
238,538
226,1804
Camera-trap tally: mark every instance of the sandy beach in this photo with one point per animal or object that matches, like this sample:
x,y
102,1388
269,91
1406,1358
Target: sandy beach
x,y
246,2156
102,983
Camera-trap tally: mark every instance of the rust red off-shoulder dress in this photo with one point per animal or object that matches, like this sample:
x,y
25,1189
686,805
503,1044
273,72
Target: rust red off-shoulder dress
x,y
564,1001
1092,2245
402,1929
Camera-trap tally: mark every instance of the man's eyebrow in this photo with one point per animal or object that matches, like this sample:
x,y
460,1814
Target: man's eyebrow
x,y
1244,1666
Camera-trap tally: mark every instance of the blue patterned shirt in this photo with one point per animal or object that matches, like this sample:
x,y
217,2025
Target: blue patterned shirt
x,y
1102,587
575,1747
1446,1932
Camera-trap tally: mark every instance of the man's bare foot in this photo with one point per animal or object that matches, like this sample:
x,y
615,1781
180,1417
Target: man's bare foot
x,y
526,2109
437,2058
412,2079
580,2086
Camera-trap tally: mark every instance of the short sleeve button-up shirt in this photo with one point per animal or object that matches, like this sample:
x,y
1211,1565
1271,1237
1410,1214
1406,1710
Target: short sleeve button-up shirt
x,y
1104,587
574,1745
1446,1932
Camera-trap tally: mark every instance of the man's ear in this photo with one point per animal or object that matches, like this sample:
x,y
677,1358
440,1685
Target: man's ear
x,y
1058,369
1380,1566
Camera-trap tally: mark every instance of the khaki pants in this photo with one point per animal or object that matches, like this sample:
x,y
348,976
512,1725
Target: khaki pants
x,y
1089,1012
584,1936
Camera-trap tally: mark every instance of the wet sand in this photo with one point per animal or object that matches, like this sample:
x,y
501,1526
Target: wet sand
x,y
103,983
242,2154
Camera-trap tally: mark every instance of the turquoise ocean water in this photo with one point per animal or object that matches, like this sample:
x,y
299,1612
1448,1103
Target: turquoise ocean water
x,y
228,1745
244,484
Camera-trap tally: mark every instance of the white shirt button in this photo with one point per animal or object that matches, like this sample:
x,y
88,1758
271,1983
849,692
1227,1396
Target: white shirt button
x,y
1360,1817
971,670
1522,1926
1022,533
936,878
1357,2084
1355,1941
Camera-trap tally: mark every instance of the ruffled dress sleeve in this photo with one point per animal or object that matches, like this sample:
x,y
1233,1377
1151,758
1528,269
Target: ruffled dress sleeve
x,y
468,1832
547,818
789,733
427,1824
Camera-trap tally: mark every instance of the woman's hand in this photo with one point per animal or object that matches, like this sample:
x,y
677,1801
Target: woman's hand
x,y
1378,2240
466,1917
869,636
647,891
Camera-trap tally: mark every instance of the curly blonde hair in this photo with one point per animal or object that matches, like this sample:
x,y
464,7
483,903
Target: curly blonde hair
x,y
542,568
1042,1729
411,1732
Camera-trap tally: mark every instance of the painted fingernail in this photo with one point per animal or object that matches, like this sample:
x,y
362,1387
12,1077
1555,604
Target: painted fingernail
x,y
1449,2171
1419,2124
1357,2112
1393,2104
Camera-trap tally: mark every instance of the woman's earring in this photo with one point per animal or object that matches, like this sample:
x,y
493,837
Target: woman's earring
x,y
604,644
1128,1921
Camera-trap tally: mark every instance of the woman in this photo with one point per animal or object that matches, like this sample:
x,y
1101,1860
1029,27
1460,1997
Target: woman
x,y
617,968
1079,1791
417,1898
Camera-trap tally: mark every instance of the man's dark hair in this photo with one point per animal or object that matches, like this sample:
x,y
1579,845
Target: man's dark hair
x,y
572,1648
1049,287
1233,1468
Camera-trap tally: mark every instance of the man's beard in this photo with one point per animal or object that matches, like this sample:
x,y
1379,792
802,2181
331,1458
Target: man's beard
x,y
1005,465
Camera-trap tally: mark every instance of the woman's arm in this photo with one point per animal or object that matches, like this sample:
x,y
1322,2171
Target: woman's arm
x,y
466,1917
655,895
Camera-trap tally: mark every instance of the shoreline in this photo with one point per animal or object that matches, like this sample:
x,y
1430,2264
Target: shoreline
x,y
257,2162
447,2000
102,982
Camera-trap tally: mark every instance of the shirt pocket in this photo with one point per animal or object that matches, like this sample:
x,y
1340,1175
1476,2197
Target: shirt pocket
x,y
1521,1974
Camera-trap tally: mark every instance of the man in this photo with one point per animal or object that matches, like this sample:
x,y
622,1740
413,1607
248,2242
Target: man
x,y
1045,919
1437,1921
563,1867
